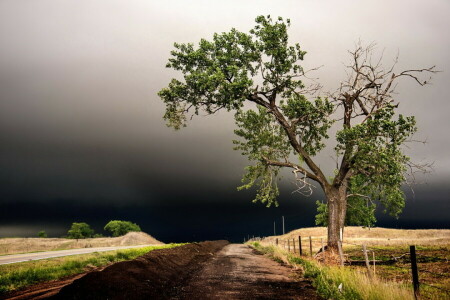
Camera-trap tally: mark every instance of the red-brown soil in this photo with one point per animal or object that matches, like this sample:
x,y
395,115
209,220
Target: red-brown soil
x,y
41,290
207,270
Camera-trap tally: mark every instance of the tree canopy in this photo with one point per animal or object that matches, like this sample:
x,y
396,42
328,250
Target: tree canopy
x,y
118,228
287,121
80,231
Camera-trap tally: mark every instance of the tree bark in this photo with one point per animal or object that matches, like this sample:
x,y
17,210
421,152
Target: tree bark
x,y
337,208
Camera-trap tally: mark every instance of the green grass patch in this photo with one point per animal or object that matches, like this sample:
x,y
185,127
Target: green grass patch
x,y
18,275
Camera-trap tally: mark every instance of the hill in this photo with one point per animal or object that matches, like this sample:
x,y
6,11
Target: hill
x,y
21,245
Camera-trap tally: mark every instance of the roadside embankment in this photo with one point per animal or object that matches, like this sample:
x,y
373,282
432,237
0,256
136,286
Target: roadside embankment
x,y
32,279
154,275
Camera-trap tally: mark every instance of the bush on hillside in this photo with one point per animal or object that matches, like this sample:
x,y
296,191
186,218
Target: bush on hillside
x,y
118,228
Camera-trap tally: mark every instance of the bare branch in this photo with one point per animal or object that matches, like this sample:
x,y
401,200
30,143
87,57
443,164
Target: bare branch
x,y
303,186
369,88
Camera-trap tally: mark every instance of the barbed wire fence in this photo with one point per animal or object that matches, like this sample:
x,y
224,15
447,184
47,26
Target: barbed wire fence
x,y
313,245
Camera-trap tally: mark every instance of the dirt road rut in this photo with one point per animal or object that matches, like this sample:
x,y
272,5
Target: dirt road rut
x,y
239,272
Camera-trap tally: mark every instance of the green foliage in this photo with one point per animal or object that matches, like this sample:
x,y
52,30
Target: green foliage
x,y
118,228
311,119
262,135
322,214
219,74
360,212
42,234
80,231
262,68
379,166
216,75
376,157
263,138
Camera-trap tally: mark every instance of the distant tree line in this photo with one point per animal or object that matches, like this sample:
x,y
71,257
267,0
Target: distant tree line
x,y
83,230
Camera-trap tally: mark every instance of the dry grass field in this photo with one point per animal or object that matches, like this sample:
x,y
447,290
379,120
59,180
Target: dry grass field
x,y
384,244
376,236
22,245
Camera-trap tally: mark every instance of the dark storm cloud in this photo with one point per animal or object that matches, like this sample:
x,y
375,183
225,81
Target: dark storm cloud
x,y
195,217
81,127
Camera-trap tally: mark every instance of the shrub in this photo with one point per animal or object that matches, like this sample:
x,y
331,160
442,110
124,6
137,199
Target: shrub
x,y
42,234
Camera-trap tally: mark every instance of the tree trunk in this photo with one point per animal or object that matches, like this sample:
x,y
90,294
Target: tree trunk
x,y
337,208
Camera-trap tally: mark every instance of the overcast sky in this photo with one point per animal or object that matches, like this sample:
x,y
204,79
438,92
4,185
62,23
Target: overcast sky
x,y
81,127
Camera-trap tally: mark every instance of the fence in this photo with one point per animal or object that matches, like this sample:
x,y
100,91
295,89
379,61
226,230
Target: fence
x,y
312,246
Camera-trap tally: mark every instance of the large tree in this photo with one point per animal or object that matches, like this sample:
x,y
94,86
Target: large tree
x,y
287,122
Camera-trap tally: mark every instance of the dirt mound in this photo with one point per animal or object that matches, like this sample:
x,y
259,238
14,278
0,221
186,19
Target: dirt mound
x,y
330,258
156,275
138,238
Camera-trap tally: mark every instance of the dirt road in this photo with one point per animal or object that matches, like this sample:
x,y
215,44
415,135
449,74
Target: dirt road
x,y
208,270
239,272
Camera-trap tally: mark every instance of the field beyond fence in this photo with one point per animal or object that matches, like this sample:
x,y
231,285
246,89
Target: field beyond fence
x,y
380,254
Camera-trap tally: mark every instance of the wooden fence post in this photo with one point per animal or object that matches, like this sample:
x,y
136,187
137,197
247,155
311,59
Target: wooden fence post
x,y
300,244
289,245
415,273
310,246
341,253
293,244
369,272
323,251
276,241
374,271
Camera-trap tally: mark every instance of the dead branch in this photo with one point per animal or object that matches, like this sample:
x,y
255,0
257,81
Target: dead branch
x,y
301,181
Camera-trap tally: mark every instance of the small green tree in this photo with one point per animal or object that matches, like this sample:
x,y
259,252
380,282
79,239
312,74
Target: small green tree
x,y
118,228
283,123
80,231
42,234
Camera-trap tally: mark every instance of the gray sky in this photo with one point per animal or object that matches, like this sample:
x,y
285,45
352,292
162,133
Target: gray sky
x,y
79,115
